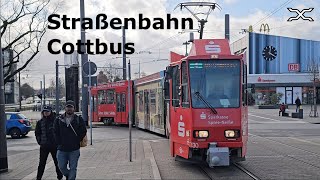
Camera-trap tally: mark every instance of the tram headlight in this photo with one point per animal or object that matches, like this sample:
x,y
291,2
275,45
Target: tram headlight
x,y
231,133
200,134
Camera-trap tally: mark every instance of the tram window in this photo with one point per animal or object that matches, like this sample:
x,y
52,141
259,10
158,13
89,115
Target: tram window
x,y
101,97
153,101
244,86
141,101
184,84
118,103
166,89
110,96
175,86
94,108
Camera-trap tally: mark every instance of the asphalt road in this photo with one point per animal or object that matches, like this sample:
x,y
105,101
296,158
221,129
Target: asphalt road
x,y
278,148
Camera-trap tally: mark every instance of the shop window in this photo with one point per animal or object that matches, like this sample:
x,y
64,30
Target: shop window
x,y
266,96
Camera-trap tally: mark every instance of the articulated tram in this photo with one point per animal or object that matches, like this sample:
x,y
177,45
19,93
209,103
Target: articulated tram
x,y
199,102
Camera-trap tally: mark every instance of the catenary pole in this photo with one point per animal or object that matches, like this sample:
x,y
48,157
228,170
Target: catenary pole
x,y
3,136
57,89
84,59
129,111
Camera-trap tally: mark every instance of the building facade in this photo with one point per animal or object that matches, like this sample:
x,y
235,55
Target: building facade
x,y
281,67
11,88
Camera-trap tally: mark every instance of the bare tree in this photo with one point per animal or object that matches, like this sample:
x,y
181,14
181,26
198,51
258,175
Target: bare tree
x,y
102,78
113,72
313,69
24,25
51,91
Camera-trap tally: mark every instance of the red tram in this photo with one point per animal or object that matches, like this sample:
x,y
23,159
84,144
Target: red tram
x,y
200,103
208,108
110,103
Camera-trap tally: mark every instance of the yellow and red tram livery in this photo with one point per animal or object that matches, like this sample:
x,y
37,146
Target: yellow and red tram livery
x,y
208,104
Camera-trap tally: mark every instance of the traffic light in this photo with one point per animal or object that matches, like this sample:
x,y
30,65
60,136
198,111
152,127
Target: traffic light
x,y
39,96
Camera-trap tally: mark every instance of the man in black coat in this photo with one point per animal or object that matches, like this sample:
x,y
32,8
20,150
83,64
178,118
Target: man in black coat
x,y
69,131
298,103
45,138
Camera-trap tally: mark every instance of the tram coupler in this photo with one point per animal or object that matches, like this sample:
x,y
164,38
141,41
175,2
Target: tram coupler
x,y
217,156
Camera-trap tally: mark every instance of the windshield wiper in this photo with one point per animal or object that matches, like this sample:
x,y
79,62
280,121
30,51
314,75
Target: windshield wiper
x,y
199,96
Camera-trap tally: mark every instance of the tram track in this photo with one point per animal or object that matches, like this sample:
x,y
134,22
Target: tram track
x,y
246,171
205,172
210,175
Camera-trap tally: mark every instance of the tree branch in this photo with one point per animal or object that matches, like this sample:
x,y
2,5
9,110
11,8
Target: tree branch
x,y
28,61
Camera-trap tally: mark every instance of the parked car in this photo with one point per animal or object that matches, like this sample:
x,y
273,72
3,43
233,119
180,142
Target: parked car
x,y
17,125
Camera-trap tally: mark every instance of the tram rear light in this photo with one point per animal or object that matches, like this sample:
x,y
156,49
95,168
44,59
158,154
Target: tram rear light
x,y
200,134
231,133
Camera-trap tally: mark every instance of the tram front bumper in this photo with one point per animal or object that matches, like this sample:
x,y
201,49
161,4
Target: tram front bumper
x,y
217,156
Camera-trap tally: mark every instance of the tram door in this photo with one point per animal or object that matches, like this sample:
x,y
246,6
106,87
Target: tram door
x,y
94,111
146,110
121,108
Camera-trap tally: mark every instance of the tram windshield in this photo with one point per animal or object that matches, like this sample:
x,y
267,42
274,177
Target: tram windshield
x,y
217,81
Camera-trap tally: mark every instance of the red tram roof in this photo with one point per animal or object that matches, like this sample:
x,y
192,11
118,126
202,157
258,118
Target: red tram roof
x,y
207,49
123,83
150,78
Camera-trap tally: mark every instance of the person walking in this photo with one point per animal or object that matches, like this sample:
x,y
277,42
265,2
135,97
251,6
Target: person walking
x,y
45,137
69,131
298,103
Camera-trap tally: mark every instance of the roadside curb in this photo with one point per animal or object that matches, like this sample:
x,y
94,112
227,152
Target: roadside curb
x,y
149,154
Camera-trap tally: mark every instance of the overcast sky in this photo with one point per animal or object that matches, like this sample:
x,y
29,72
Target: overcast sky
x,y
160,42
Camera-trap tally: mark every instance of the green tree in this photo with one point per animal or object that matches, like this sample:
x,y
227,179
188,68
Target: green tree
x,y
26,90
275,98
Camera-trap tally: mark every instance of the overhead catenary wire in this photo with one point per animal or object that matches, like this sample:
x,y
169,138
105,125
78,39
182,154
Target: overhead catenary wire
x,y
273,12
161,42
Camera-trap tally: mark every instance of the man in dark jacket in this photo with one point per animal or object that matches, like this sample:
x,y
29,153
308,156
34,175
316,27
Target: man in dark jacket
x,y
298,103
69,131
45,138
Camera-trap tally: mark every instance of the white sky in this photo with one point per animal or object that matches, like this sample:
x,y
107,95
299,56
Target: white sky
x,y
161,42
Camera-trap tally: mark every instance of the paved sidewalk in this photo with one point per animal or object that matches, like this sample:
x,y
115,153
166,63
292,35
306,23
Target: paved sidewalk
x,y
291,108
106,159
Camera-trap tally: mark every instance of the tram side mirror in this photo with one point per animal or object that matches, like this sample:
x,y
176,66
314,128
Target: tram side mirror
x,y
168,72
253,88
